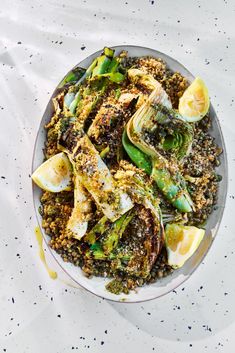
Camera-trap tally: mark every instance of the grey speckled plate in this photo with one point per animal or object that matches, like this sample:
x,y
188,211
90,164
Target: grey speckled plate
x,y
163,286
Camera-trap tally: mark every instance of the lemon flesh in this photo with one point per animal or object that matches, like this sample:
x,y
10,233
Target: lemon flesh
x,y
55,174
181,243
195,102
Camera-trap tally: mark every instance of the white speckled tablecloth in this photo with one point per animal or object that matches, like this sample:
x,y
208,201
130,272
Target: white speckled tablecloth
x,y
39,42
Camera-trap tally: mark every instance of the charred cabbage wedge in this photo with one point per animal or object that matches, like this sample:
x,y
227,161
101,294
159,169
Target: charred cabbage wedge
x,y
96,178
93,174
177,136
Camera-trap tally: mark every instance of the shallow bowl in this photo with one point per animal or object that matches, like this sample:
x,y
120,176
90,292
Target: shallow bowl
x,y
96,285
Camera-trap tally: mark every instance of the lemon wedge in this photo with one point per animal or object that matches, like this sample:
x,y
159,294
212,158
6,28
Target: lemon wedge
x,y
55,174
181,242
195,102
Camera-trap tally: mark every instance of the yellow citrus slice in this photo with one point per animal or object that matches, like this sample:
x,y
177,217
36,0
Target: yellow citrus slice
x,y
181,243
55,174
195,102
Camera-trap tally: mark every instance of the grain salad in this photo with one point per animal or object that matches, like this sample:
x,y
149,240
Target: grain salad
x,y
138,179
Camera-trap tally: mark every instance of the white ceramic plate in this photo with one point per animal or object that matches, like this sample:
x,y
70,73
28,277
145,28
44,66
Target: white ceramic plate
x,y
97,285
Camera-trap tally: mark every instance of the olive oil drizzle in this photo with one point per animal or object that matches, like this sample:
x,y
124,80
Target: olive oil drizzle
x,y
39,237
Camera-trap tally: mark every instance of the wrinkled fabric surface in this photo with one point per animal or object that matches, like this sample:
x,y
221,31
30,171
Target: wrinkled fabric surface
x,y
39,42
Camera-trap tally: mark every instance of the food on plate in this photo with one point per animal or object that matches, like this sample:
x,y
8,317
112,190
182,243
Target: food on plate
x,y
130,173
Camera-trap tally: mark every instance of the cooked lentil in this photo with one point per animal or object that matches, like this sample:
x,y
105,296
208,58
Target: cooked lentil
x,y
198,168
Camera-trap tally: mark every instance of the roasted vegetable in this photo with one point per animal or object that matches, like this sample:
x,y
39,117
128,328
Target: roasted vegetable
x,y
115,232
97,178
166,127
171,133
82,211
104,239
142,78
107,126
73,76
127,256
142,192
140,159
165,173
92,86
99,228
92,172
147,221
139,187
